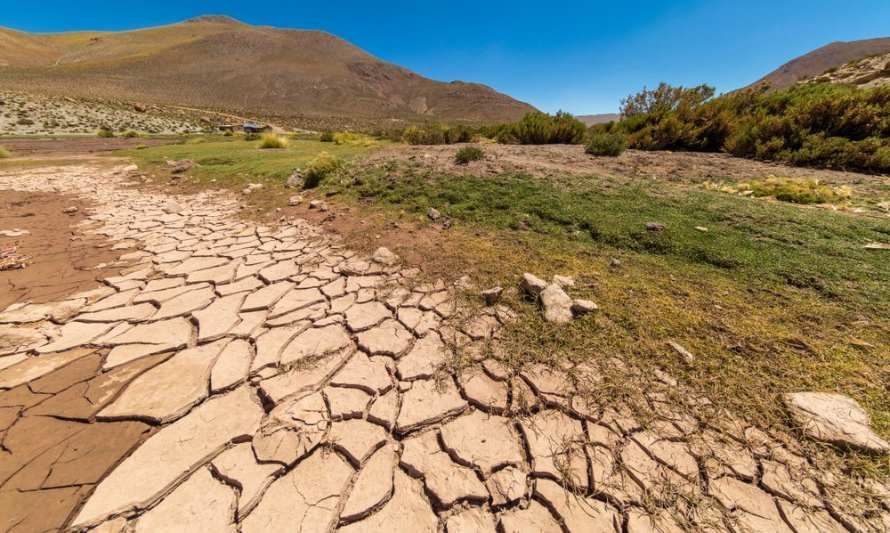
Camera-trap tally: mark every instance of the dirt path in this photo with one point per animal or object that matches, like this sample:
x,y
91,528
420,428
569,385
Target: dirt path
x,y
247,378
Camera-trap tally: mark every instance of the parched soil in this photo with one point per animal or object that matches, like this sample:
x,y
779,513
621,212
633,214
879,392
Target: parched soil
x,y
570,159
61,260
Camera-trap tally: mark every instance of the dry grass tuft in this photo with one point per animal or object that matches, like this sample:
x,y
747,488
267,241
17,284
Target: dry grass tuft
x,y
272,140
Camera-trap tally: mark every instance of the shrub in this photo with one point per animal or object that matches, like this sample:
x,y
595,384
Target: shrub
x,y
541,128
105,133
824,125
607,144
272,140
347,137
130,134
429,134
250,136
4,153
228,133
467,154
319,168
796,190
326,137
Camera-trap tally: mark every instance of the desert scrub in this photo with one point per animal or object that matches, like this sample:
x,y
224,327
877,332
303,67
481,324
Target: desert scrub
x,y
326,137
796,190
606,144
467,154
540,128
130,134
272,140
4,153
323,165
105,133
348,137
430,134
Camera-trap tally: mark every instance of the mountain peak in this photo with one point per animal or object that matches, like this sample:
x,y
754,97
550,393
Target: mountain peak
x,y
216,19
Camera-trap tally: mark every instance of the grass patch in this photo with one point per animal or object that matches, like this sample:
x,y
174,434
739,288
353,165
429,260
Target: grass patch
x,y
797,190
272,140
467,154
770,298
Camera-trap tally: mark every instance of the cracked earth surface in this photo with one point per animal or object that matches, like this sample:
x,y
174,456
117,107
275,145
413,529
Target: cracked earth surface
x,y
248,378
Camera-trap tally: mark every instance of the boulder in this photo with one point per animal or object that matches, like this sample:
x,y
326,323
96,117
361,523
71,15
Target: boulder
x,y
295,200
564,281
492,295
181,166
582,307
433,214
532,284
557,304
384,256
656,227
295,180
834,418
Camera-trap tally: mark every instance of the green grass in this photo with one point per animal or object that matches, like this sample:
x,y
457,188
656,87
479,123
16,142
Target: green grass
x,y
771,297
233,161
813,249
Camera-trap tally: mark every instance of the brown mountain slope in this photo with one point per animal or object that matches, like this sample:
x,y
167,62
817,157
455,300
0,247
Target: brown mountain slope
x,y
822,59
219,63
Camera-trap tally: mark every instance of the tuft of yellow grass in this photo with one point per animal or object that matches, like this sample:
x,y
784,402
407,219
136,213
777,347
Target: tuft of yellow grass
x,y
272,140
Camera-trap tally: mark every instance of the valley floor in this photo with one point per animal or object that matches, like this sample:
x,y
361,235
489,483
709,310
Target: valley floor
x,y
256,365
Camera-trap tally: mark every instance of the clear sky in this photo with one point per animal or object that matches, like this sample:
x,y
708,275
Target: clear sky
x,y
578,56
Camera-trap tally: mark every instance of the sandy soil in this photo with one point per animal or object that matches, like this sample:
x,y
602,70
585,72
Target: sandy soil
x,y
561,159
60,264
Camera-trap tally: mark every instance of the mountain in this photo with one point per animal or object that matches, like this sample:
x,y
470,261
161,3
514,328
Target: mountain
x,y
821,60
602,118
219,63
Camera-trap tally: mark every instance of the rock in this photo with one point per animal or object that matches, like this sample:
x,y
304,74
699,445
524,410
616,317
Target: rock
x,y
295,180
295,200
16,232
557,304
254,186
687,355
384,257
433,214
139,108
615,262
182,166
171,453
317,204
655,227
532,285
834,418
701,229
564,281
70,210
582,307
492,295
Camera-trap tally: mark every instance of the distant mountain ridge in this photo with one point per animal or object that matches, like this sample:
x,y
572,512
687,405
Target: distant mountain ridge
x,y
216,62
821,60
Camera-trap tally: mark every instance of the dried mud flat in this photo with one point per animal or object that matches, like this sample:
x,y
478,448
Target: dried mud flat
x,y
238,377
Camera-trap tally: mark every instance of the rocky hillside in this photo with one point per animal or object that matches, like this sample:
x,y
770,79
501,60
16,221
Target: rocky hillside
x,y
220,63
822,60
25,114
872,71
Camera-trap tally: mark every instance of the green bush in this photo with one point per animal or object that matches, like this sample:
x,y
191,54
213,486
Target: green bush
x,y
541,128
319,168
228,133
105,133
4,153
467,154
822,125
130,134
430,134
326,137
272,140
606,144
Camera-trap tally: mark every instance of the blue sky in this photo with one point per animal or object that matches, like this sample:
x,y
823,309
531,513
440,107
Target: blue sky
x,y
578,56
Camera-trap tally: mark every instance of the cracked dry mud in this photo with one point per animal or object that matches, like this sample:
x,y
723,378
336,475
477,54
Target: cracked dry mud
x,y
241,377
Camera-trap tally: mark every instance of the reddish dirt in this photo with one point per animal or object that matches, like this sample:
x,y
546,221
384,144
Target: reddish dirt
x,y
60,264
